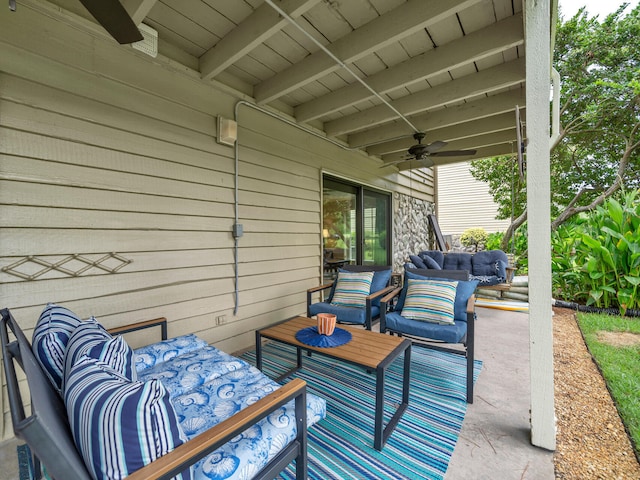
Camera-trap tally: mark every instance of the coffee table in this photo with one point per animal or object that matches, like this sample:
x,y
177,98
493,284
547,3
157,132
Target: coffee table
x,y
370,350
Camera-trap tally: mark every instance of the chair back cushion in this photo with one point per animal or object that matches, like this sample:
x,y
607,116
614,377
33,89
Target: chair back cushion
x,y
486,263
352,288
457,261
430,301
50,339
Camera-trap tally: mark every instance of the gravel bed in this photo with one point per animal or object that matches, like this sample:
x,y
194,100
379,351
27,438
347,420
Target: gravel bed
x,y
591,440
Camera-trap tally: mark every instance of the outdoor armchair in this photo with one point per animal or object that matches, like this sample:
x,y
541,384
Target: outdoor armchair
x,y
434,312
349,298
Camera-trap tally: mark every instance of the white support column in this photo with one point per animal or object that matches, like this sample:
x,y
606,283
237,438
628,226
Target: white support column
x,y
538,64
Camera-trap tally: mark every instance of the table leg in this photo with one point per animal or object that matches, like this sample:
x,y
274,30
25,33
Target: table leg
x,y
258,350
382,433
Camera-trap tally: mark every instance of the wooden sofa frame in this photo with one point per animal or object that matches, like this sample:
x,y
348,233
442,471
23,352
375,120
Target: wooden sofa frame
x,y
47,432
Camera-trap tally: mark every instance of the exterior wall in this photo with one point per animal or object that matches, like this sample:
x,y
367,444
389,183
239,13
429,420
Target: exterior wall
x,y
464,202
116,201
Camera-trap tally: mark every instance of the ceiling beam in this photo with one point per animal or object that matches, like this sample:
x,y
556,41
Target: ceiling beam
x,y
400,22
485,107
251,32
485,152
485,81
496,38
138,9
482,126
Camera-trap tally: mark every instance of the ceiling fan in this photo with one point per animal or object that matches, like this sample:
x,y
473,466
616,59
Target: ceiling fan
x,y
423,152
115,20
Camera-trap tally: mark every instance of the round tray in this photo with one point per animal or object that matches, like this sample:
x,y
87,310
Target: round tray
x,y
310,336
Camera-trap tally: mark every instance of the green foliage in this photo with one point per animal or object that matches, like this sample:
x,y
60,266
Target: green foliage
x,y
473,237
519,250
596,259
619,366
599,148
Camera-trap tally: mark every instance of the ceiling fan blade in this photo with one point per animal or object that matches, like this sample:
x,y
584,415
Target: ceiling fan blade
x,y
115,20
434,146
454,153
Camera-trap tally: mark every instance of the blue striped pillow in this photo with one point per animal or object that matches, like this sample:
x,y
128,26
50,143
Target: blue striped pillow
x,y
352,288
91,339
119,426
430,301
50,339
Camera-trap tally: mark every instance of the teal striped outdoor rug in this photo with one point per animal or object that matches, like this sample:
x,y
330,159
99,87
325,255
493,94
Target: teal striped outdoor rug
x,y
341,445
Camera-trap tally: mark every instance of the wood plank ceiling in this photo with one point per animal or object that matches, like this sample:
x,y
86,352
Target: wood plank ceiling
x,y
453,68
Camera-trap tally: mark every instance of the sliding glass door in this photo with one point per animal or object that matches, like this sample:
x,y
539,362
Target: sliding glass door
x,y
356,225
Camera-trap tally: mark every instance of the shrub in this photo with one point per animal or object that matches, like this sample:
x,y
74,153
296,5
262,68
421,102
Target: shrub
x,y
596,258
473,237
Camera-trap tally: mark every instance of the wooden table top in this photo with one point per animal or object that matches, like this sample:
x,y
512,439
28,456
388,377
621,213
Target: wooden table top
x,y
366,348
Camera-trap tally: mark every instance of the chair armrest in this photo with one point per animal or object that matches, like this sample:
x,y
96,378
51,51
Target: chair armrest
x,y
133,327
319,287
511,271
197,448
380,293
387,298
471,308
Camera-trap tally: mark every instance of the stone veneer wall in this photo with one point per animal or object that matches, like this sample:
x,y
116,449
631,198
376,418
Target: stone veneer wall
x,y
410,228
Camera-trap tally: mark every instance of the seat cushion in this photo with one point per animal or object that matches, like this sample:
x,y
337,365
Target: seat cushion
x,y
50,339
352,288
454,333
344,314
150,355
430,300
118,426
245,454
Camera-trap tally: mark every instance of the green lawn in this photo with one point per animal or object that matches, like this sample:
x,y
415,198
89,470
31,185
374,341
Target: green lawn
x,y
620,365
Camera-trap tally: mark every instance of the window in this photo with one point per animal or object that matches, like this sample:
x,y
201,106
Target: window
x,y
356,225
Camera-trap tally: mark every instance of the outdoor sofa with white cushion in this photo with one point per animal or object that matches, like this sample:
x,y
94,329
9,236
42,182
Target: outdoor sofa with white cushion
x,y
179,407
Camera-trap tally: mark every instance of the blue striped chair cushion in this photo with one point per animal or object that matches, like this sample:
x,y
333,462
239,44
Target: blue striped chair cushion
x,y
50,339
91,339
430,301
352,288
118,426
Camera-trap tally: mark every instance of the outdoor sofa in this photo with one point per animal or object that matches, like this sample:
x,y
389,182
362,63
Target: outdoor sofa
x,y
179,407
489,267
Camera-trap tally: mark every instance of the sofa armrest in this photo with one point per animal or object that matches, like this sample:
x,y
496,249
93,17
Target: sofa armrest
x,y
197,448
133,327
380,293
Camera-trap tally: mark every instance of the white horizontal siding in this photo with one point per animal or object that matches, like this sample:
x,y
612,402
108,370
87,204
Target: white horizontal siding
x,y
463,202
103,149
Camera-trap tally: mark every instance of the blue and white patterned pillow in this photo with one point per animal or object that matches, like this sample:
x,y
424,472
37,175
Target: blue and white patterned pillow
x,y
118,426
352,288
430,301
50,339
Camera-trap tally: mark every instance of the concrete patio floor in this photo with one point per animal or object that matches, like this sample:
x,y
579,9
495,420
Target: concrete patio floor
x,y
495,442
495,438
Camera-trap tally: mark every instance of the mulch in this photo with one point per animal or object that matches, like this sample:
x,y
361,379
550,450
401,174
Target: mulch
x,y
591,441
